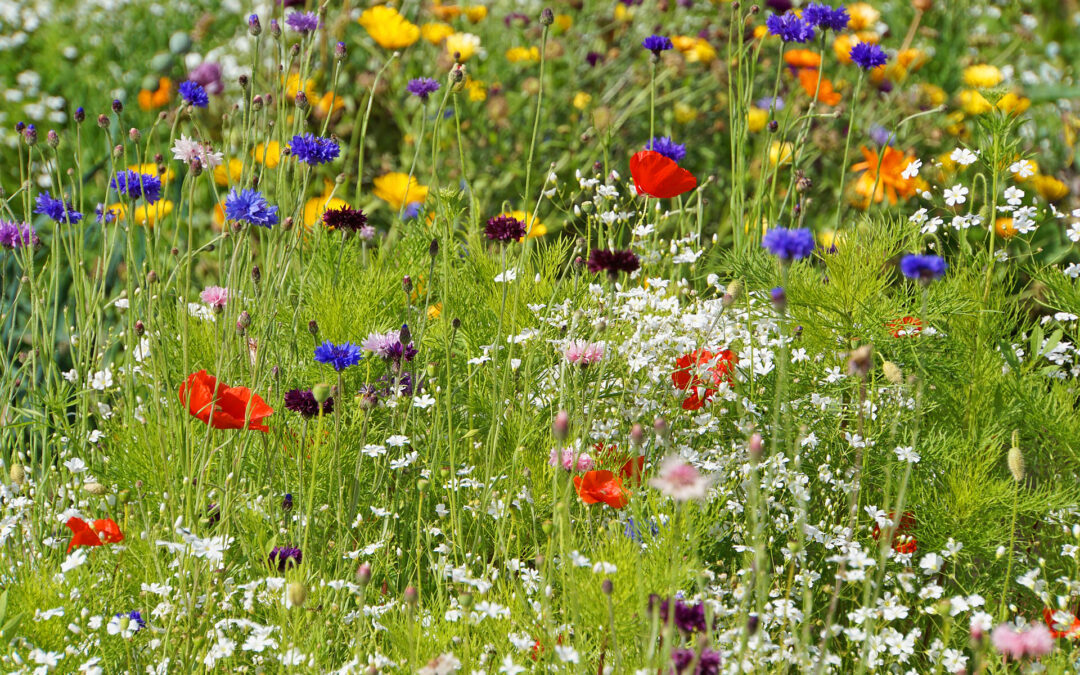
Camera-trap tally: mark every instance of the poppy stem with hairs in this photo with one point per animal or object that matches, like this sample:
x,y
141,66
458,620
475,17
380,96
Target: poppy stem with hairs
x,y
363,128
847,147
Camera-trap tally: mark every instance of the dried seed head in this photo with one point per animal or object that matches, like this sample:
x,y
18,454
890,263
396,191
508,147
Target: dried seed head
x,y
892,372
297,594
96,489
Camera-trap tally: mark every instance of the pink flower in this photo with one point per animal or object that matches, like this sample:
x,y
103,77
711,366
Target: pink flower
x,y
1034,642
215,296
583,353
1037,641
679,480
584,461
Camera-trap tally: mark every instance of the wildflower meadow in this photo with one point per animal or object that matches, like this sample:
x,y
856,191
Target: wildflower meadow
x,y
653,337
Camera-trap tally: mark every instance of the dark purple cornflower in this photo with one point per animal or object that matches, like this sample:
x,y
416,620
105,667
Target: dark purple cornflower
x,y
403,381
194,94
708,663
249,206
213,514
825,17
314,150
339,356
868,56
302,22
789,27
208,74
57,209
302,401
522,19
924,268
136,185
788,244
657,44
284,557
668,148
345,219
779,6
422,87
17,235
504,228
687,618
612,262
593,58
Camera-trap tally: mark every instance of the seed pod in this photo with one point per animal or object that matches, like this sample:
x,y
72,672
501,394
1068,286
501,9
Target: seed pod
x,y
297,594
18,474
892,372
96,489
1015,459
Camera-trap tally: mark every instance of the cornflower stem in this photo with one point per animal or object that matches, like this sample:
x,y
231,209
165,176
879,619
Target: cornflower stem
x,y
536,118
781,371
652,100
311,484
847,147
1003,609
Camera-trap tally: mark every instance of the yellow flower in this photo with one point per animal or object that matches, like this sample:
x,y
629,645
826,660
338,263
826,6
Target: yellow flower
x,y
328,104
316,206
957,126
389,28
863,16
934,94
756,119
395,187
462,46
912,59
152,169
228,173
684,113
780,153
477,89
434,311
1012,104
268,154
476,13
982,76
152,213
1004,228
830,238
292,87
973,102
564,22
695,49
623,13
842,47
436,31
1050,188
581,99
519,54
534,228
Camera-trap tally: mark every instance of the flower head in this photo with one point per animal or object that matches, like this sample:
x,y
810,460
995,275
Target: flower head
x,y
188,150
1033,642
302,401
314,150
398,188
789,27
302,22
825,17
249,206
339,356
57,209
389,28
221,406
687,618
884,176
136,185
565,457
17,235
345,218
924,268
668,148
84,533
194,94
584,353
659,176
601,486
700,372
504,228
215,296
612,262
208,74
788,245
422,87
657,44
680,480
284,557
868,55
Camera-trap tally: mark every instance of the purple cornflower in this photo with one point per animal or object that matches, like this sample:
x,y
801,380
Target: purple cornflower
x,y
250,206
708,663
314,150
284,557
388,347
789,27
194,94
208,74
136,185
825,17
788,244
668,148
17,235
634,532
775,102
339,356
105,215
504,228
657,44
522,19
302,22
924,268
422,87
345,219
412,210
302,401
881,135
687,618
868,56
57,209
612,262
779,297
593,58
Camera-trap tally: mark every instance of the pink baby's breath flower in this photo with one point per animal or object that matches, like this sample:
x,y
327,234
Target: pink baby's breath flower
x,y
583,353
680,480
215,297
565,457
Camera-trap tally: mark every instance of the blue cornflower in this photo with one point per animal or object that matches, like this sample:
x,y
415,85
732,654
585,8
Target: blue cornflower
x,y
868,56
57,209
789,27
105,215
924,268
776,102
657,44
635,532
668,148
412,210
881,135
302,22
194,94
422,87
788,244
250,206
314,150
136,185
135,620
339,356
825,17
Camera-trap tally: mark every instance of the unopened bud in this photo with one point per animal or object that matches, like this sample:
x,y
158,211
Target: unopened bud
x,y
340,52
547,17
606,587
363,574
406,283
301,100
254,27
80,115
297,594
1015,459
134,134
321,392
560,428
140,328
96,489
637,435
860,361
660,426
313,328
52,138
433,250
243,321
256,274
412,596
103,121
17,474
117,106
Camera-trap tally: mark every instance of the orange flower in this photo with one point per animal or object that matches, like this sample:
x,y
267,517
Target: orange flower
x,y
150,100
85,534
1071,631
803,58
888,176
601,486
690,367
825,93
221,406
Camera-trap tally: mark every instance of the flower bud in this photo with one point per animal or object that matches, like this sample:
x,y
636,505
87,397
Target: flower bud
x,y
117,106
660,426
340,52
774,126
406,283
547,17
257,102
860,361
134,135
96,489
321,392
256,274
30,135
412,596
363,574
17,474
275,28
297,594
757,447
140,328
52,138
433,250
779,298
254,27
313,328
301,100
103,121
243,321
405,335
1015,458
606,587
466,600
80,115
637,435
560,428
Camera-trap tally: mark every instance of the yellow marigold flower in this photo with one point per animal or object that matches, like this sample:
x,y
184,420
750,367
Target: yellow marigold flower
x,y
685,113
842,47
947,162
982,76
534,227
152,169
760,31
700,52
1050,188
434,311
445,12
1004,228
389,28
316,206
973,103
150,100
292,87
268,154
1013,104
863,16
519,54
623,13
934,94
581,99
912,59
395,187
564,22
462,45
477,89
756,119
436,31
476,13
228,173
780,153
328,104
149,214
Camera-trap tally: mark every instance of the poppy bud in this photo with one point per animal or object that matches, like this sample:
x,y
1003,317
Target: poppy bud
x,y
363,574
465,600
757,447
660,426
892,372
297,594
547,526
117,106
433,250
421,485
313,328
606,587
124,497
18,474
637,435
733,293
412,596
321,392
560,428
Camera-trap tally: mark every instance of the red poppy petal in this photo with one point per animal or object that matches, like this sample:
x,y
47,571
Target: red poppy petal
x,y
659,176
109,530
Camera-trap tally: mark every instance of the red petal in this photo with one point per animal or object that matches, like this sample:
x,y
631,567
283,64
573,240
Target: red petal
x,y
109,530
659,176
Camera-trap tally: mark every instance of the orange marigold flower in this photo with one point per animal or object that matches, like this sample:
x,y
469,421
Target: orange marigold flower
x,y
888,177
802,58
825,93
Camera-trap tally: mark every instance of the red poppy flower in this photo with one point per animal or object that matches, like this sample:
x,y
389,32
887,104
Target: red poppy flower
x,y
688,375
903,539
601,486
221,406
659,176
1072,632
633,470
906,327
85,534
